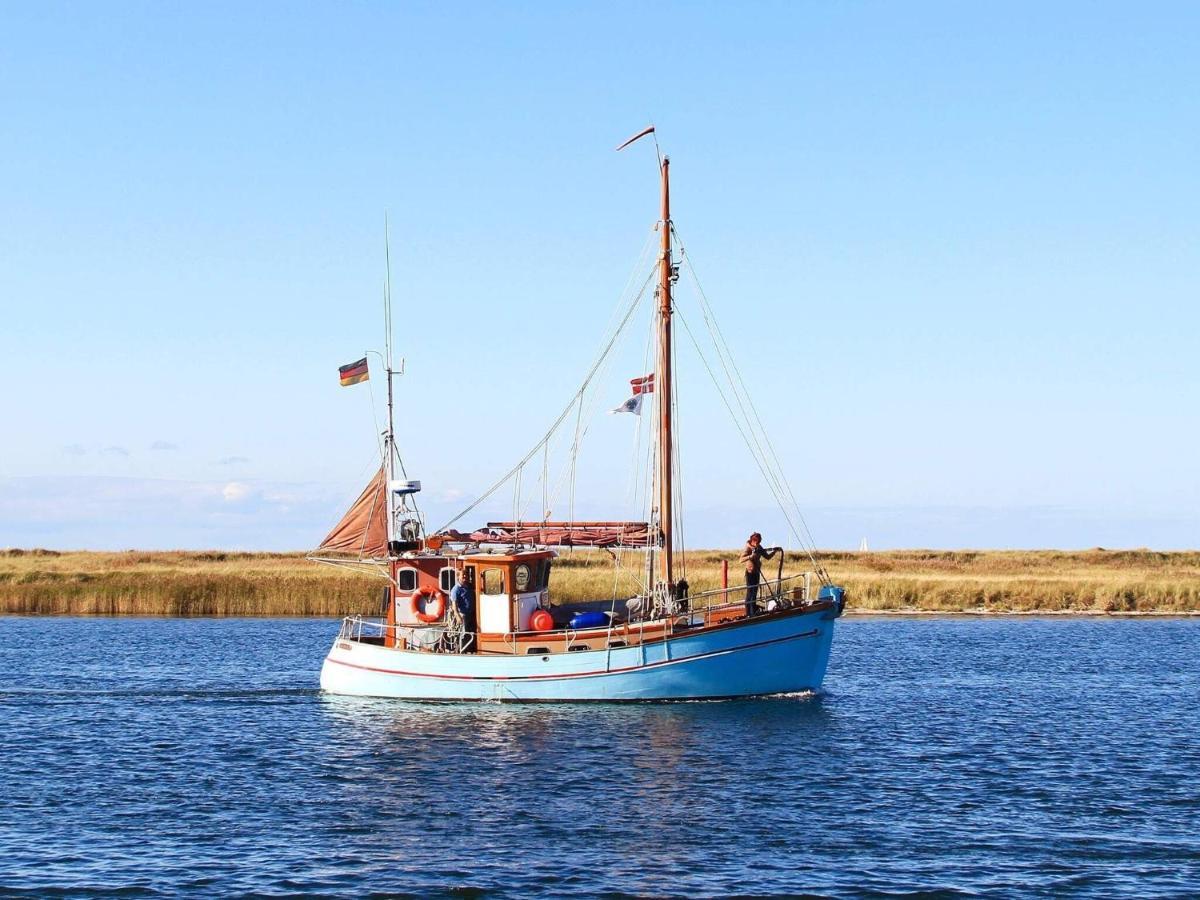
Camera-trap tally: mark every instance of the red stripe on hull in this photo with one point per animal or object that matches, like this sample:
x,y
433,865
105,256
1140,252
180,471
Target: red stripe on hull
x,y
567,676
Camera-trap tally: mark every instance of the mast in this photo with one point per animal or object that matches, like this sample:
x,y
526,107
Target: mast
x,y
665,388
389,441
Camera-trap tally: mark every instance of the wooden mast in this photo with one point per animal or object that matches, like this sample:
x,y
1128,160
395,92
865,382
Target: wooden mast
x,y
664,388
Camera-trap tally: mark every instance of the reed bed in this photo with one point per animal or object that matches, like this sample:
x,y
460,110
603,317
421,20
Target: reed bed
x,y
215,583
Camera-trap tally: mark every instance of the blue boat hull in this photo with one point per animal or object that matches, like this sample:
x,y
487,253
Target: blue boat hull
x,y
772,654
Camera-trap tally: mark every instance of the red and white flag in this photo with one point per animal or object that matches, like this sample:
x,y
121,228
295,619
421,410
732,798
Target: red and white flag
x,y
641,387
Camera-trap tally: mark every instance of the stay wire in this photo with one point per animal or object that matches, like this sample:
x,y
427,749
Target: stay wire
x,y
719,342
561,417
758,461
568,477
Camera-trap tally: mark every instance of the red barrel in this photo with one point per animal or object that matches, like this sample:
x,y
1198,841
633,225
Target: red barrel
x,y
541,621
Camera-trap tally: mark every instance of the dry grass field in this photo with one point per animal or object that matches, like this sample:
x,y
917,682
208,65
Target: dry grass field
x,y
215,583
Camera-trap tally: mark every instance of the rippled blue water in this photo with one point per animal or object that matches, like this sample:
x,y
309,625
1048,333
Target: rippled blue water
x,y
951,756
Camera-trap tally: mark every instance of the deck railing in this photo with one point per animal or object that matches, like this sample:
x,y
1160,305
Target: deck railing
x,y
715,606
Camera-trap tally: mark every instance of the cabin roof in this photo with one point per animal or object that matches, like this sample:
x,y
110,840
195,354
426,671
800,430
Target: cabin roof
x,y
509,556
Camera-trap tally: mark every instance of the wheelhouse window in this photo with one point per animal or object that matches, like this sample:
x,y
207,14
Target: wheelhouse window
x,y
447,579
406,580
524,578
493,581
544,575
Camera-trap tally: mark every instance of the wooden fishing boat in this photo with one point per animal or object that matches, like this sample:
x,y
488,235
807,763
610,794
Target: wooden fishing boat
x,y
663,643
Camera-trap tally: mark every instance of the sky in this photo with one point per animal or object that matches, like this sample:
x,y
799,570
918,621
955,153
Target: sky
x,y
954,247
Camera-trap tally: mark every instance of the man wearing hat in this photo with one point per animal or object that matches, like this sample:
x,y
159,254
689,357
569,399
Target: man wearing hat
x,y
752,557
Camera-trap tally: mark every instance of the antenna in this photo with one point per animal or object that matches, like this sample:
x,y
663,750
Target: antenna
x,y
390,444
397,493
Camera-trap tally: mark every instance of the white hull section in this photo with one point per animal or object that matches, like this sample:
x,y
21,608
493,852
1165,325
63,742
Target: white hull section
x,y
771,654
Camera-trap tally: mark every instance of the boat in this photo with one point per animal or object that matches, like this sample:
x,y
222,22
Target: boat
x,y
660,642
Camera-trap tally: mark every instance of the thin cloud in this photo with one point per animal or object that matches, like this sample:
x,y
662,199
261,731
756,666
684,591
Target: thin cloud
x,y
232,460
164,445
103,512
236,492
75,449
114,450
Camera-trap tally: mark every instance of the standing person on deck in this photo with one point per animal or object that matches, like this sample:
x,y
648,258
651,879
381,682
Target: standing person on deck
x,y
752,558
462,600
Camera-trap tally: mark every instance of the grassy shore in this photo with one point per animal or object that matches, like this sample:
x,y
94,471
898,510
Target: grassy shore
x,y
213,583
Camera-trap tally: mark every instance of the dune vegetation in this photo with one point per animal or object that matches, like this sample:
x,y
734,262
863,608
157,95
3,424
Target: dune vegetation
x,y
217,583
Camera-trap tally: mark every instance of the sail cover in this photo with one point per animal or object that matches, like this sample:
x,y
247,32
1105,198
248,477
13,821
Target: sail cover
x,y
363,530
561,534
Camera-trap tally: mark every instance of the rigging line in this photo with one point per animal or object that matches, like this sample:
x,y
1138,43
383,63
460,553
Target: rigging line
x,y
375,418
562,416
517,497
545,484
584,416
709,321
568,476
676,448
719,340
757,461
769,474
639,266
350,498
633,497
574,459
590,405
387,317
548,500
652,491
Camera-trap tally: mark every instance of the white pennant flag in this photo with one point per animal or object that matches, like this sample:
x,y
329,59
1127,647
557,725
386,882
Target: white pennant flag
x,y
632,405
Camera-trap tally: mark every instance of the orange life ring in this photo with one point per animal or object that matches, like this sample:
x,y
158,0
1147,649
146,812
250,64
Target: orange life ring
x,y
417,606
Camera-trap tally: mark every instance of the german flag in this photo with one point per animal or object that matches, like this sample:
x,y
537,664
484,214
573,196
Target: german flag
x,y
354,373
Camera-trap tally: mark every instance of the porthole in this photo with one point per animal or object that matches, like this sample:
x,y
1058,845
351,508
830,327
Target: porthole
x,y
523,577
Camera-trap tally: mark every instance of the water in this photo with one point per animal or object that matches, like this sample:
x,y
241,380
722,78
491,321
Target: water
x,y
953,757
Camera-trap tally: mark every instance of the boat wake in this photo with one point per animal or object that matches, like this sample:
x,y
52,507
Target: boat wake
x,y
158,693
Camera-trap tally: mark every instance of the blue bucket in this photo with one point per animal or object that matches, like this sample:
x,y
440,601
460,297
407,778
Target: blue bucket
x,y
589,620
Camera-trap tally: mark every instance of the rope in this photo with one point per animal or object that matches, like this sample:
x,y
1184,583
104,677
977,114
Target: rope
x,y
578,396
778,473
676,450
585,415
586,418
758,461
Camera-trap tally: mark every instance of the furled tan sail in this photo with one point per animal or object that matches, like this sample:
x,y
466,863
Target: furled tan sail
x,y
363,530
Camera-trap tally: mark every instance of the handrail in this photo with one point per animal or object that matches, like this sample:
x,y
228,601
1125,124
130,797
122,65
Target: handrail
x,y
356,627
777,582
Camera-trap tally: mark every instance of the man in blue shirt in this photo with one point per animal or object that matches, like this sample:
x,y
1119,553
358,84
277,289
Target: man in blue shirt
x,y
462,601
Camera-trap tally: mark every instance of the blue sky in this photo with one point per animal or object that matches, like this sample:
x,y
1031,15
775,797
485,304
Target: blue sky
x,y
955,247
